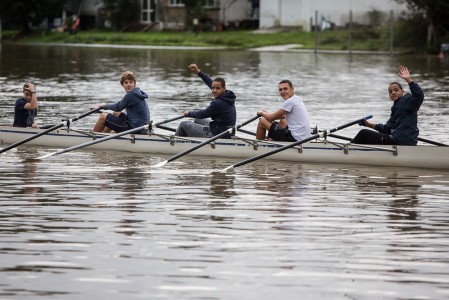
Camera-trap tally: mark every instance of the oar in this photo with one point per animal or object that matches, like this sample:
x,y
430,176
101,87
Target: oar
x,y
86,144
169,120
246,131
66,122
202,144
159,124
166,128
432,142
313,137
340,137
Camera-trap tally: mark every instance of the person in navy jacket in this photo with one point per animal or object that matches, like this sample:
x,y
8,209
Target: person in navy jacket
x,y
134,102
25,109
402,126
219,116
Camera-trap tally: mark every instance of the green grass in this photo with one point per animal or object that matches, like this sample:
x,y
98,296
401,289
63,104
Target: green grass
x,y
363,39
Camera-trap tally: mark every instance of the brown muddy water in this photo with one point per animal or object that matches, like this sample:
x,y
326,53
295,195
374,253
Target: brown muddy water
x,y
105,225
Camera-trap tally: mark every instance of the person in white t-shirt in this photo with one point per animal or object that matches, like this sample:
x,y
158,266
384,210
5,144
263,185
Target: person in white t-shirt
x,y
293,124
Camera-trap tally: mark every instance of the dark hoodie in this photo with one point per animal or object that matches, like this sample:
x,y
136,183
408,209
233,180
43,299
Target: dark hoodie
x,y
221,110
403,123
137,110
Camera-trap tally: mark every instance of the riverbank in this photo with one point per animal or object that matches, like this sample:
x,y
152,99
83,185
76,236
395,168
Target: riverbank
x,y
274,40
297,48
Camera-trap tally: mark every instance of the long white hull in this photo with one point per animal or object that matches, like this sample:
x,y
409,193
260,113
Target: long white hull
x,y
312,152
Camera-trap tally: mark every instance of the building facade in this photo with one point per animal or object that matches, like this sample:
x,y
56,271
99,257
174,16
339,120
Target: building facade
x,y
301,13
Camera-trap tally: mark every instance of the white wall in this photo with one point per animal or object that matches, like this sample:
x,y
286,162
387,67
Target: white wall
x,y
234,11
298,13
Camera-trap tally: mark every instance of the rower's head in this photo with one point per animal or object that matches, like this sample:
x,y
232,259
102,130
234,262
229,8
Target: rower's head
x,y
286,89
218,87
128,81
27,89
395,91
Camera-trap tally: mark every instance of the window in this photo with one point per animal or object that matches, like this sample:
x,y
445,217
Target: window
x,y
176,3
210,3
147,11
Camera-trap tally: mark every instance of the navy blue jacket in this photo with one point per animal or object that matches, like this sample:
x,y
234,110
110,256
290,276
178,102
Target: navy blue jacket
x,y
403,123
137,110
221,110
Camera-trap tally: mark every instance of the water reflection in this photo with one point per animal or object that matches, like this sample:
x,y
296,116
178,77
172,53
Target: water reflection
x,y
403,190
222,185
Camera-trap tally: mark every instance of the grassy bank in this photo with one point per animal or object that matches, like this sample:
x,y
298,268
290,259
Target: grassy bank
x,y
362,39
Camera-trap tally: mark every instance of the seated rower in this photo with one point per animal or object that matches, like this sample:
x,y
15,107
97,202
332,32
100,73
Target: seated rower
x,y
221,110
137,111
25,108
293,124
402,126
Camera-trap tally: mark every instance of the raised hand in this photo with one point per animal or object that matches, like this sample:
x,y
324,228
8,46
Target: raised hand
x,y
194,68
405,74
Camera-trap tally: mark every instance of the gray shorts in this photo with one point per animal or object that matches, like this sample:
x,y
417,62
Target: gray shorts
x,y
198,128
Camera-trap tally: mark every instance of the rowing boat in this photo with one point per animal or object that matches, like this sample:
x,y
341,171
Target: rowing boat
x,y
322,150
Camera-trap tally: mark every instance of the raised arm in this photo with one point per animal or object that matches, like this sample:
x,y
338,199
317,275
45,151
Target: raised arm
x,y
207,80
31,88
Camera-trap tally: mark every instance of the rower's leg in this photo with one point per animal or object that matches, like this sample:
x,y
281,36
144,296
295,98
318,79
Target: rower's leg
x,y
99,126
262,128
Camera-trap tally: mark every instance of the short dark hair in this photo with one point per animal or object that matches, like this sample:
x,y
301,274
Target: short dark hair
x,y
290,84
221,80
394,82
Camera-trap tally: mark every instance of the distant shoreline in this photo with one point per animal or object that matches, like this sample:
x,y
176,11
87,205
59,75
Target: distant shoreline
x,y
278,48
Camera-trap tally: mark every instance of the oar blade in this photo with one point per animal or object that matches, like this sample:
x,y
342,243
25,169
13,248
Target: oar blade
x,y
44,156
227,168
161,164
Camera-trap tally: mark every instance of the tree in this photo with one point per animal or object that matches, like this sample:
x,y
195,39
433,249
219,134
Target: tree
x,y
193,11
122,12
23,13
436,15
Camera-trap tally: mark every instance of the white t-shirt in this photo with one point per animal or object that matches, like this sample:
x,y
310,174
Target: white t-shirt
x,y
297,117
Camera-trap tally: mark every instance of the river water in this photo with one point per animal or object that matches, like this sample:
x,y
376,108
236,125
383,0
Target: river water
x,y
105,225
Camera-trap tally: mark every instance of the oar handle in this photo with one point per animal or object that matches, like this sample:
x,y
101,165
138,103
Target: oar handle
x,y
248,121
85,114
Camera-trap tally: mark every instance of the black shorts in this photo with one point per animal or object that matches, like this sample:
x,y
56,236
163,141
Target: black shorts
x,y
117,124
278,133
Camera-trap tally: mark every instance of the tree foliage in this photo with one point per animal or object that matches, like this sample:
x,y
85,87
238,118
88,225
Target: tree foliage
x,y
122,12
436,16
23,13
